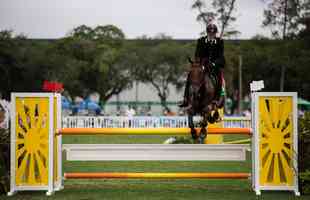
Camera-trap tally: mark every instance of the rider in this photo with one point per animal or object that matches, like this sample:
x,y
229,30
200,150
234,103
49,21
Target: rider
x,y
210,52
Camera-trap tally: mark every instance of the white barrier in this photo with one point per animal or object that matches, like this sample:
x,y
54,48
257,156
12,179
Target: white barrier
x,y
176,152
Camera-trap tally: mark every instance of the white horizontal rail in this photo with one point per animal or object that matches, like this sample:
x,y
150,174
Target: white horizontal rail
x,y
144,122
155,152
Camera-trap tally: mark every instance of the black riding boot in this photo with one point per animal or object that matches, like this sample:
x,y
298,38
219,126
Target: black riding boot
x,y
221,89
185,97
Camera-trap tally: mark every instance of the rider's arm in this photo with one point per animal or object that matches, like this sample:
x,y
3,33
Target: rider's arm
x,y
220,61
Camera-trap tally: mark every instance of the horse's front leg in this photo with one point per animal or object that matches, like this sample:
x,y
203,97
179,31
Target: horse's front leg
x,y
192,127
203,130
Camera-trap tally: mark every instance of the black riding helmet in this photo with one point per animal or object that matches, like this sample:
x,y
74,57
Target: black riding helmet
x,y
211,28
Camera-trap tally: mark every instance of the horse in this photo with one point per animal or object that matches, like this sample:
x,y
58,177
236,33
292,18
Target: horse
x,y
202,98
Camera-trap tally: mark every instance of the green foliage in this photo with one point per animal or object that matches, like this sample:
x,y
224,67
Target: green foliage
x,y
285,17
108,35
304,152
231,52
4,172
100,59
6,35
99,52
304,178
262,60
4,136
161,64
20,65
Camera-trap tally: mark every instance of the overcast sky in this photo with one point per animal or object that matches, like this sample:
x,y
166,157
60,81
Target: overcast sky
x,y
55,18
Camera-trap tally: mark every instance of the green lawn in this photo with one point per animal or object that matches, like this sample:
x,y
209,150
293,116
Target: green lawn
x,y
153,189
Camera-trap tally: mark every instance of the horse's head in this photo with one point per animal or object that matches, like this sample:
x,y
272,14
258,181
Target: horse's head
x,y
196,76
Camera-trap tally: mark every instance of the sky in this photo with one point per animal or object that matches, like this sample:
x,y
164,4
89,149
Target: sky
x,y
51,19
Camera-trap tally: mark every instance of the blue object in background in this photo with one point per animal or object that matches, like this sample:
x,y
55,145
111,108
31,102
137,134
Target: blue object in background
x,y
92,106
87,104
65,103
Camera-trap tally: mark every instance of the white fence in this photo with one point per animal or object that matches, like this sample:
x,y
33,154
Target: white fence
x,y
144,122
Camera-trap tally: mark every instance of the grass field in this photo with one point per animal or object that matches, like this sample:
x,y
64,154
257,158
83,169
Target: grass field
x,y
153,189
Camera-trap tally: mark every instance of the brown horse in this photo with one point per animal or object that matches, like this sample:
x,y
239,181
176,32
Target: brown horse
x,y
202,98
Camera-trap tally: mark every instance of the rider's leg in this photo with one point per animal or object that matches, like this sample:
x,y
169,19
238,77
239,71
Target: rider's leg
x,y
186,94
221,89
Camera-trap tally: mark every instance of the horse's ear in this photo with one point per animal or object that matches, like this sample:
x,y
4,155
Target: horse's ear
x,y
189,60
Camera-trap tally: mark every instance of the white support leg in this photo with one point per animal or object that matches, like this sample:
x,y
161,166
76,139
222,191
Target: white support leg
x,y
60,187
11,193
49,193
297,193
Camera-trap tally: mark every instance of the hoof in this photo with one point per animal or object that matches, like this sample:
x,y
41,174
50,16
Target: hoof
x,y
196,141
194,134
201,140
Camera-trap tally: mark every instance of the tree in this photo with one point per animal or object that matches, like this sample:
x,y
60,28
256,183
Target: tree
x,y
262,61
220,10
305,21
19,64
109,35
100,52
232,50
284,17
161,65
82,32
8,62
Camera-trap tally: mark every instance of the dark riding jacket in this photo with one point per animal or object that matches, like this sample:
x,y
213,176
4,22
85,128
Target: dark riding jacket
x,y
211,50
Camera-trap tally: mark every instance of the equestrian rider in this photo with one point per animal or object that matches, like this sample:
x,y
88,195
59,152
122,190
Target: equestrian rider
x,y
210,52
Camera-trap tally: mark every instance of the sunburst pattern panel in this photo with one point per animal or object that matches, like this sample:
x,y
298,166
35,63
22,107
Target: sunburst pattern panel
x,y
276,141
32,128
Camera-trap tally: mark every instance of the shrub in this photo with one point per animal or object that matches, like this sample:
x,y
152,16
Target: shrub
x,y
304,153
4,160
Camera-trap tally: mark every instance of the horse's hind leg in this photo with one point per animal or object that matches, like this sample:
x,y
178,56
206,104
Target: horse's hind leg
x,y
191,126
203,130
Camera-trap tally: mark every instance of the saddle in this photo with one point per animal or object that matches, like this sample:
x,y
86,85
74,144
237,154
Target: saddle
x,y
213,76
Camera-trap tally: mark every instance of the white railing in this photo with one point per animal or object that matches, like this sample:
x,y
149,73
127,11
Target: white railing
x,y
143,122
237,122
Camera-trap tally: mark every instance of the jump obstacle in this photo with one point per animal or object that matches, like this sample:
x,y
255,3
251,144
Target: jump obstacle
x,y
150,131
36,146
157,175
